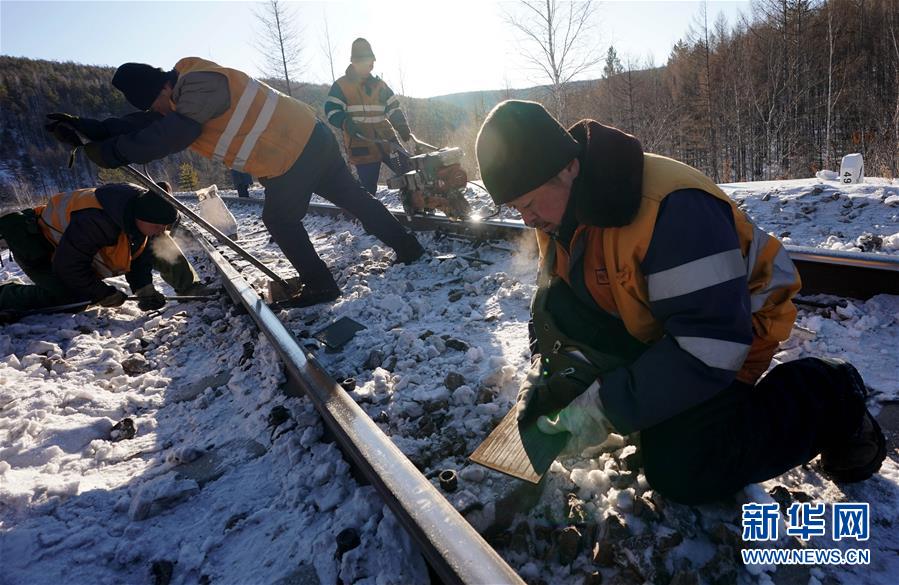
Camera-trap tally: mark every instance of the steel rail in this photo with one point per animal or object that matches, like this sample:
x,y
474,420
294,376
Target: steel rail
x,y
455,551
859,275
145,180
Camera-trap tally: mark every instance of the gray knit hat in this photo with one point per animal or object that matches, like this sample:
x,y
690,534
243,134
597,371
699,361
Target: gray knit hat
x,y
361,50
520,147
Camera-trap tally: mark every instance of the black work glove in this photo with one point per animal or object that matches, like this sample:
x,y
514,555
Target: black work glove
x,y
149,299
63,127
351,127
114,299
62,117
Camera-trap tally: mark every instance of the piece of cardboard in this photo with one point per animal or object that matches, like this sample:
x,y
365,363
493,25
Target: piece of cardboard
x,y
519,450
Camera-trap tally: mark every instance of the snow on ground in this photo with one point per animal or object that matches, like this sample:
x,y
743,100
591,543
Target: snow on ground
x,y
437,366
209,487
825,214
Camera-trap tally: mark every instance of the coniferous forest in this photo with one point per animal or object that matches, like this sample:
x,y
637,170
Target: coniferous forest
x,y
782,93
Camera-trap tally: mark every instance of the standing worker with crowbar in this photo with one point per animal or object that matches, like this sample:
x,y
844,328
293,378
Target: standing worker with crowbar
x,y
225,115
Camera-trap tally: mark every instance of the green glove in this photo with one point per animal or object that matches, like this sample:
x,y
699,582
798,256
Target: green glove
x,y
583,418
541,394
114,299
149,299
528,404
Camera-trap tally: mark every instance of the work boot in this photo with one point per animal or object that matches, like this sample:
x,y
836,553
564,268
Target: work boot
x,y
858,457
312,296
409,253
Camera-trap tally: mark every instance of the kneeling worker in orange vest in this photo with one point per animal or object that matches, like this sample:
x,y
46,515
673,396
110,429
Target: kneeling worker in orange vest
x,y
70,244
226,115
659,307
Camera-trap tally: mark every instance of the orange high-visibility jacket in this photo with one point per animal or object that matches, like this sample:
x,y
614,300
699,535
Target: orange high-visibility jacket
x,y
263,132
55,216
372,105
619,251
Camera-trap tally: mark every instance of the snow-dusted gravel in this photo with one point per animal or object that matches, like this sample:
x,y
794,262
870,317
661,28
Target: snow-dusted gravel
x,y
210,487
437,366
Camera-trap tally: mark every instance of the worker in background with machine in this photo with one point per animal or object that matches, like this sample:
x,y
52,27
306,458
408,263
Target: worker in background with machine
x,y
78,238
660,306
369,113
226,115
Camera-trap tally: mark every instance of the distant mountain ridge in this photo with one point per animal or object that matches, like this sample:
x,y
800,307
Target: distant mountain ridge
x,y
779,94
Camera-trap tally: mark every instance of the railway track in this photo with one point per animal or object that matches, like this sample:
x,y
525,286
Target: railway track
x,y
847,274
454,550
857,275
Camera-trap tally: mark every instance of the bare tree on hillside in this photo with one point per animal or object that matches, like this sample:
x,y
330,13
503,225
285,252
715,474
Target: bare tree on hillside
x,y
401,77
327,46
279,42
557,42
701,36
611,74
507,86
894,160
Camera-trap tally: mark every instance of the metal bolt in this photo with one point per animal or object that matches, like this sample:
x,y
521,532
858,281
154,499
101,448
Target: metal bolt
x,y
448,480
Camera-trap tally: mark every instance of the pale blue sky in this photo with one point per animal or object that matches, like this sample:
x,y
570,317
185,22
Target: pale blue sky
x,y
440,47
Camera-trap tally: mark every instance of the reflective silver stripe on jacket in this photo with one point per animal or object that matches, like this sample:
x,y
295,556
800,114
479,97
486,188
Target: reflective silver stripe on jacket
x,y
368,108
696,275
783,274
249,143
236,121
759,240
370,119
715,353
54,215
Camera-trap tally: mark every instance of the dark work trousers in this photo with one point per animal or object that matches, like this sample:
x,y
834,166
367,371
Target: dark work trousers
x,y
34,255
750,434
320,169
369,172
242,182
745,434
